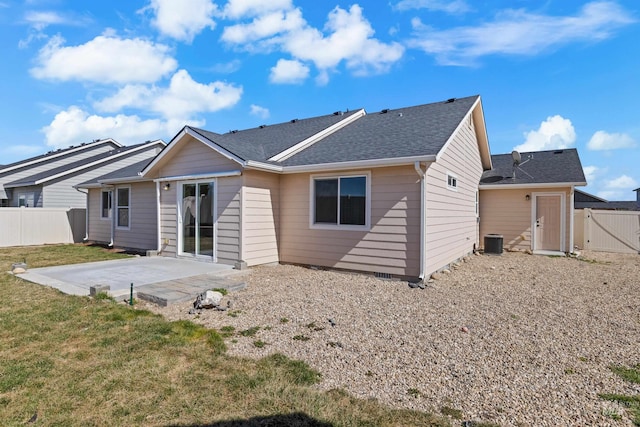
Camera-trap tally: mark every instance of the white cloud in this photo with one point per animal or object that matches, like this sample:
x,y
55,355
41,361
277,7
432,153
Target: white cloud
x,y
590,173
621,182
555,132
182,20
227,67
518,32
264,26
602,140
105,59
455,6
289,71
74,125
42,19
347,37
259,111
241,8
183,97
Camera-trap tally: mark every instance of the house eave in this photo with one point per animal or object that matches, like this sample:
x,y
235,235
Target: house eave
x,y
534,185
195,177
359,164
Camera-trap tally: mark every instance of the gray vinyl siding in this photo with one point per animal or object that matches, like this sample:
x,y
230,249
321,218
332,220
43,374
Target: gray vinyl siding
x,y
143,222
390,246
99,228
451,227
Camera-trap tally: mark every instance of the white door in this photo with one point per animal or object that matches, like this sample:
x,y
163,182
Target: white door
x,y
197,219
548,223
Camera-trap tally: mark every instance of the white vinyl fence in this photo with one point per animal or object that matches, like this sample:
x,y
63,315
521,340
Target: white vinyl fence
x,y
40,226
607,231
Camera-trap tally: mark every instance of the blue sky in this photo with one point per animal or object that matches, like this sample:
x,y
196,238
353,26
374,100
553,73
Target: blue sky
x,y
552,74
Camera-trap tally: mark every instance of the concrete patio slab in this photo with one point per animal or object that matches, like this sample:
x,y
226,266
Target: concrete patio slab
x,y
157,279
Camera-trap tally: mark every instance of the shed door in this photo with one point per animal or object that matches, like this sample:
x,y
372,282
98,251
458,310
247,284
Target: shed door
x,y
548,223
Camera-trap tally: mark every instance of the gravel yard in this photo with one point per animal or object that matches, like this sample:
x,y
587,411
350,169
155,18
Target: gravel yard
x,y
513,339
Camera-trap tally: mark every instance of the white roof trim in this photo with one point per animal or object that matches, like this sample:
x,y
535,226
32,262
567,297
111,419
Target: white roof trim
x,y
63,152
199,176
187,131
537,185
302,145
97,162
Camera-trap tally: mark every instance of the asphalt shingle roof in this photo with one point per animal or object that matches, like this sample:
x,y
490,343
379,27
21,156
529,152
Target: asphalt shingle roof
x,y
31,180
404,132
539,167
617,206
264,142
126,172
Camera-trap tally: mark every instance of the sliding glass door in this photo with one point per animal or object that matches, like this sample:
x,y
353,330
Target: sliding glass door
x,y
197,219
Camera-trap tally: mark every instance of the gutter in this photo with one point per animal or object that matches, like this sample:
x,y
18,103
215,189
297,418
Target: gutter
x,y
86,213
423,251
158,217
571,219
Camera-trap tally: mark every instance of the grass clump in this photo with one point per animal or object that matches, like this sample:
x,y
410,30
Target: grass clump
x,y
77,361
632,403
103,296
223,291
301,338
284,320
251,332
259,344
454,413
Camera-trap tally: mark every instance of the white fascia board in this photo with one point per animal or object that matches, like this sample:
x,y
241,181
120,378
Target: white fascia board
x,y
64,153
521,186
223,174
123,180
88,165
302,145
252,164
359,164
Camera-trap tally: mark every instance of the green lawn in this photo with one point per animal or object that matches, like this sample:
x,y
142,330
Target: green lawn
x,y
78,361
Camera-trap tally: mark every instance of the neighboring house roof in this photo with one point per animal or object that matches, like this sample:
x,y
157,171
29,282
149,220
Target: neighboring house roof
x,y
70,168
584,200
126,174
56,154
551,168
583,196
631,205
346,140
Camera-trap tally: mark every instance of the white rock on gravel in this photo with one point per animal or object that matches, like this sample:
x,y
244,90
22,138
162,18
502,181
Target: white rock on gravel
x,y
540,334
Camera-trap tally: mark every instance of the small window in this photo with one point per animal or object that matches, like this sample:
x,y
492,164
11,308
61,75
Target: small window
x,y
26,200
122,207
452,182
340,201
105,204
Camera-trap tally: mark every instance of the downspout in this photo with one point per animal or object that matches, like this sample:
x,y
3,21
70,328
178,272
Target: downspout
x,y
86,213
571,219
158,216
421,174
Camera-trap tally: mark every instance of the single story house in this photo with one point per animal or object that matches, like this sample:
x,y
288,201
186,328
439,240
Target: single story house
x,y
528,198
49,181
393,192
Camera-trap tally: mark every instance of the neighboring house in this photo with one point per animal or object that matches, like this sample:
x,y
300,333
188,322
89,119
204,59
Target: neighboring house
x,y
589,201
38,164
528,199
49,180
393,192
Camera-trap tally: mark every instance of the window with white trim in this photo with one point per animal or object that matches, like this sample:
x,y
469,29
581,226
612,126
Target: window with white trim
x,y
452,182
122,207
105,204
341,201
